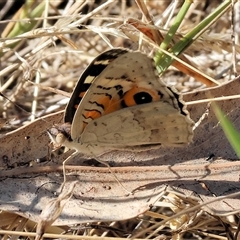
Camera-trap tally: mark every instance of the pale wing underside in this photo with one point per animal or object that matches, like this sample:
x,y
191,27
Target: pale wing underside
x,y
153,123
137,68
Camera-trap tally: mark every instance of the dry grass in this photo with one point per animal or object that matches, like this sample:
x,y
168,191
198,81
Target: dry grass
x,y
54,53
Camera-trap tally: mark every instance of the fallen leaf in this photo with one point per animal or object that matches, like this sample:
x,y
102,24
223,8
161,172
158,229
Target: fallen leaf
x,y
26,190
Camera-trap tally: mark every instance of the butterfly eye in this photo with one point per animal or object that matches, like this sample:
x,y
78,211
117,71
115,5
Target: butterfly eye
x,y
136,96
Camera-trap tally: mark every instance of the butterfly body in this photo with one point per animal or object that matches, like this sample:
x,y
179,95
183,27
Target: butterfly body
x,y
120,103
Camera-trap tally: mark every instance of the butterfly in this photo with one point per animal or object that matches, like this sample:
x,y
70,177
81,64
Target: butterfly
x,y
120,103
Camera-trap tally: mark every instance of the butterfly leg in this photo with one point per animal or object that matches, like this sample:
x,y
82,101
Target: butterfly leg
x,y
64,169
114,175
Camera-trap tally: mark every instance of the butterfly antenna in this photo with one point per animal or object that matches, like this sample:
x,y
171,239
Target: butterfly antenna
x,y
18,106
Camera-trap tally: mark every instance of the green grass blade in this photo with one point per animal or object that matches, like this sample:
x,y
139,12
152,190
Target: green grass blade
x,y
27,12
230,131
172,31
162,60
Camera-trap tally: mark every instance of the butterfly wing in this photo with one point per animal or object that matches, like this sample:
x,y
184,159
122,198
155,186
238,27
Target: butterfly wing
x,y
129,80
92,71
152,123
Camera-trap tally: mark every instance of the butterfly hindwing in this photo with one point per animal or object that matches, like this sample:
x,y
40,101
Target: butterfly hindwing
x,y
153,123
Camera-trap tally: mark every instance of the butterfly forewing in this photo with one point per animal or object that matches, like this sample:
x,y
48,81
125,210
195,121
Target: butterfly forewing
x,y
128,71
84,82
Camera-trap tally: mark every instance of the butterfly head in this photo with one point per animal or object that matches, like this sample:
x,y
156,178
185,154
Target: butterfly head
x,y
60,135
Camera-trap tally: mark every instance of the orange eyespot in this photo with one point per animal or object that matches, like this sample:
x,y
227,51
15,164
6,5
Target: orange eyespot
x,y
139,95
